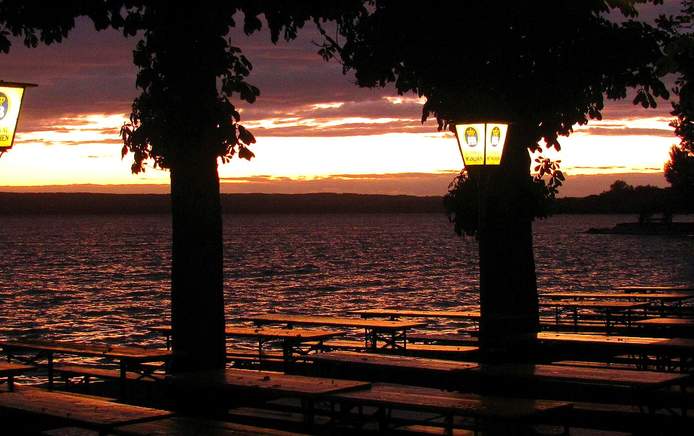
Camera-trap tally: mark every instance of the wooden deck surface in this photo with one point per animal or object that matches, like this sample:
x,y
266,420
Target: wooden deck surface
x,y
389,360
270,383
428,399
80,409
383,325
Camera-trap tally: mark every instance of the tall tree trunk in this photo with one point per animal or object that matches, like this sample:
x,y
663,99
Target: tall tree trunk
x,y
508,288
197,298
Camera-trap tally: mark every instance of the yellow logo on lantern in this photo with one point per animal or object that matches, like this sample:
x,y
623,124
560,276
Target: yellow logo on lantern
x,y
496,136
471,136
4,105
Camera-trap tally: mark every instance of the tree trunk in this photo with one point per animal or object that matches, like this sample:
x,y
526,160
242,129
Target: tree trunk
x,y
197,298
508,288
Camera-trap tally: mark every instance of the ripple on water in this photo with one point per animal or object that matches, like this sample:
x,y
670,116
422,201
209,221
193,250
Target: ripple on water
x,y
107,278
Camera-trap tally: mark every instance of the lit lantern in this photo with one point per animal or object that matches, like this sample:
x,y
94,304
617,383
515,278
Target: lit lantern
x,y
481,143
11,95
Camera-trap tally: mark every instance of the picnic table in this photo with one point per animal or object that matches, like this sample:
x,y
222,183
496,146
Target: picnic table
x,y
128,358
655,288
393,333
641,384
266,384
294,341
419,371
402,313
91,412
663,348
657,297
608,307
449,404
682,327
10,370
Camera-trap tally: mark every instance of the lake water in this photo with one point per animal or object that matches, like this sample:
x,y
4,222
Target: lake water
x,y
107,277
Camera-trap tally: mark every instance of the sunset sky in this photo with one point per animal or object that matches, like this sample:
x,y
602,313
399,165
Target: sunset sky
x,y
316,131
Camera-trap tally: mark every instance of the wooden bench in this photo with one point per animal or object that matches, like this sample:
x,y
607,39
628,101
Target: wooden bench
x,y
81,410
88,372
391,368
423,350
10,370
646,389
442,339
449,404
185,426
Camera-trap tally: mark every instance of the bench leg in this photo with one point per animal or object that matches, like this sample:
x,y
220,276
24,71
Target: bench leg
x,y
123,378
307,406
50,371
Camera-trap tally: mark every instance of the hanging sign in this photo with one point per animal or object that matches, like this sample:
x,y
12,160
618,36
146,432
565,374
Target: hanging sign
x,y
496,138
11,95
471,141
481,143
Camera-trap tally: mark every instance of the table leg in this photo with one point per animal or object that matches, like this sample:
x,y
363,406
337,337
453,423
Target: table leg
x,y
50,371
123,377
307,405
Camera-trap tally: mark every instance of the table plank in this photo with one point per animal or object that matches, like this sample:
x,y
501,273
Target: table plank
x,y
288,334
619,295
9,368
392,361
666,322
680,344
270,383
581,374
80,409
655,288
278,318
185,426
596,304
418,398
467,314
140,354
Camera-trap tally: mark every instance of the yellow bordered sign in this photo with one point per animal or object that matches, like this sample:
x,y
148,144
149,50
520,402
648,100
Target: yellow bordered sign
x,y
11,96
481,143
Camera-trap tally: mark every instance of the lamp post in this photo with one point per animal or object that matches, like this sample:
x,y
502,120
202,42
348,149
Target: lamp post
x,y
11,97
481,146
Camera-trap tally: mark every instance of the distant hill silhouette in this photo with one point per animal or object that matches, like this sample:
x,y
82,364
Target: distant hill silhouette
x,y
621,198
133,204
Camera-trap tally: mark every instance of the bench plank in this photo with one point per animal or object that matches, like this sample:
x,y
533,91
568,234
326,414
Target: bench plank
x,y
79,409
428,399
184,426
392,361
270,383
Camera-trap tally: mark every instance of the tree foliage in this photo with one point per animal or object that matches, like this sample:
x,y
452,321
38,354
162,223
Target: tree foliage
x,y
546,66
679,170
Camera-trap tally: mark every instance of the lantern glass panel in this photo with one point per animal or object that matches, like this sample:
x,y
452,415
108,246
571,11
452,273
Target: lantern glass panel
x,y
10,104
